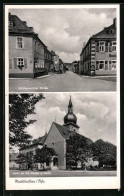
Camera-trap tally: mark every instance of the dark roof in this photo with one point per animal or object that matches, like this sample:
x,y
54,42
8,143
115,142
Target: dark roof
x,y
66,133
36,142
20,27
104,34
40,140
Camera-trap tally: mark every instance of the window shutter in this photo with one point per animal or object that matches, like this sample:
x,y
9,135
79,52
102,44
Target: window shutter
x,y
106,65
15,62
106,46
97,47
10,63
110,47
110,67
25,62
97,65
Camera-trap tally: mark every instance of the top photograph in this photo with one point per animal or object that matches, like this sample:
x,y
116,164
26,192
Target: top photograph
x,y
61,48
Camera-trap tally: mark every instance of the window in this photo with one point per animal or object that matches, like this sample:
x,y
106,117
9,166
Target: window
x,y
101,46
113,64
20,61
101,64
106,65
19,42
113,46
11,23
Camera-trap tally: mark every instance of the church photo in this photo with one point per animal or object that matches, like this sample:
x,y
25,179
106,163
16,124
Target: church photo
x,y
62,134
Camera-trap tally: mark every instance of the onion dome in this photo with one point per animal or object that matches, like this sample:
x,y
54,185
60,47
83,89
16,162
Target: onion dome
x,y
70,117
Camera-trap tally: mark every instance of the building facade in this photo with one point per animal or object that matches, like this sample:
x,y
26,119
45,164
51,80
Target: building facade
x,y
26,50
48,57
98,56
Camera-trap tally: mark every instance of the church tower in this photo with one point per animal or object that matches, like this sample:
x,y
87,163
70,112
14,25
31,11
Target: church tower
x,y
70,119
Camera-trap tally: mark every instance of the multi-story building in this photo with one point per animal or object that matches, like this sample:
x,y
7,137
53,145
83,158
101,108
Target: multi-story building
x,y
26,50
98,56
48,55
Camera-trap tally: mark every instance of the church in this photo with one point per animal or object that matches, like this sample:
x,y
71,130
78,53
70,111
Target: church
x,y
56,141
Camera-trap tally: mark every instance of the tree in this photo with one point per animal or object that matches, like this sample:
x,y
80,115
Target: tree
x,y
20,106
78,148
27,158
44,155
105,151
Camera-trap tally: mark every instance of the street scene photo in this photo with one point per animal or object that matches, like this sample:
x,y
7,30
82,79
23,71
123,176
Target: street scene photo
x,y
62,50
62,135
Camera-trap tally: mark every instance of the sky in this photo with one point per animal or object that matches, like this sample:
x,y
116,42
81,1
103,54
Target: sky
x,y
96,114
65,30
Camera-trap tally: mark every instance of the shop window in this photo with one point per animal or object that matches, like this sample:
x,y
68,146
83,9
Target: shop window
x,y
20,43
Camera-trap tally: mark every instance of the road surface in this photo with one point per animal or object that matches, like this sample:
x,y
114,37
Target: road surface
x,y
66,82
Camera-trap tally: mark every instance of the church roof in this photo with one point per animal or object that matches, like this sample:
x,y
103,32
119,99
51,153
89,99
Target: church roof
x,y
65,132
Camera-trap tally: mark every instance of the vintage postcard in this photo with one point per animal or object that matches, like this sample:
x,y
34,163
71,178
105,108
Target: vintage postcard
x,y
62,97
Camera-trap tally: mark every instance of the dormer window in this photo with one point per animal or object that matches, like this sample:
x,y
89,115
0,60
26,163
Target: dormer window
x,y
11,23
112,31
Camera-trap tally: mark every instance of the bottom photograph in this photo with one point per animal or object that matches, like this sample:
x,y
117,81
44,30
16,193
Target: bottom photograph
x,y
62,135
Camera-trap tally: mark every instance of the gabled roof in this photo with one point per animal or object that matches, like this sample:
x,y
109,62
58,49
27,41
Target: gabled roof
x,y
105,33
66,133
20,28
40,140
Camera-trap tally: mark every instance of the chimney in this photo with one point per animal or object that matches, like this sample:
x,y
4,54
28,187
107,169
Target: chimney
x,y
31,29
114,22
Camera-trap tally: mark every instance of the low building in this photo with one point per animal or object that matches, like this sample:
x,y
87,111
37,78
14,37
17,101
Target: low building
x,y
30,150
98,56
13,161
26,50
